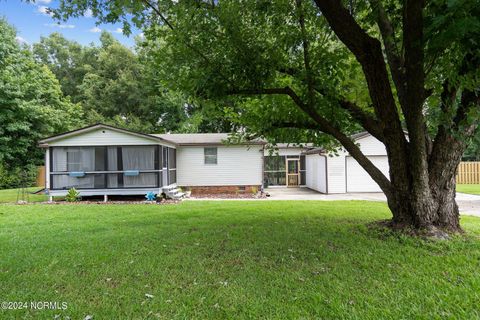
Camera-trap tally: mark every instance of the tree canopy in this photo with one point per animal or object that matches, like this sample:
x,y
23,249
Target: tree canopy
x,y
320,70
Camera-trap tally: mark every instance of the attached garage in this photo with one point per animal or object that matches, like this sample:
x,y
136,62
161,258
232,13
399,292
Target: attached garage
x,y
358,180
340,173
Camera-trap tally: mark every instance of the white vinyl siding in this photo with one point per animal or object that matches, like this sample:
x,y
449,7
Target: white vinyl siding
x,y
358,180
336,174
284,152
236,165
370,146
105,137
316,173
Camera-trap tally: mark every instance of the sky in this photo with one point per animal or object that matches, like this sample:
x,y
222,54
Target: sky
x,y
32,21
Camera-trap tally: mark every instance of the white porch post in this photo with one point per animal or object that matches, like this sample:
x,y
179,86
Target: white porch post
x,y
47,168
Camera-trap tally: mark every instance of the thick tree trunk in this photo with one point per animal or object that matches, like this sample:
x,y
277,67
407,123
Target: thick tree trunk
x,y
440,210
442,213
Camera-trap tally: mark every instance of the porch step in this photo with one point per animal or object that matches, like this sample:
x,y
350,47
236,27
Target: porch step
x,y
170,187
173,192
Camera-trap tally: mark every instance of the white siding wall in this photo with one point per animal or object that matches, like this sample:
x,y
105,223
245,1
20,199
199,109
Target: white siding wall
x,y
372,147
316,174
285,152
336,173
102,137
236,165
358,180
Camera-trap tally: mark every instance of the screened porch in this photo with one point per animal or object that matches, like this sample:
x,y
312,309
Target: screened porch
x,y
288,171
112,167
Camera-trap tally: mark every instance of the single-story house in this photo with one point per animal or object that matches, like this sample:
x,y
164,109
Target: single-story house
x,y
105,160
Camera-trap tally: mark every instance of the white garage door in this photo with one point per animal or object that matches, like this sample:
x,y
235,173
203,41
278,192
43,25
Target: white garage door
x,y
358,179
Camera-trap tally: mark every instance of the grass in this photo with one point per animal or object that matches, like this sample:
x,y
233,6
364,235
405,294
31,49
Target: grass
x,y
469,188
10,195
232,259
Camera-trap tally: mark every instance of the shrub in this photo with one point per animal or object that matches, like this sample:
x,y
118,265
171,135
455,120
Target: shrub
x,y
73,195
17,177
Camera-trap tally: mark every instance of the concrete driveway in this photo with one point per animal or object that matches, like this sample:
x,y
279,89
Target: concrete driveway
x,y
468,204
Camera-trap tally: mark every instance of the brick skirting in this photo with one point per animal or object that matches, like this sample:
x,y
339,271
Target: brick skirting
x,y
222,189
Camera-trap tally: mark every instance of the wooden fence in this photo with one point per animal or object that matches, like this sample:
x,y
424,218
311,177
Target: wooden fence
x,y
41,176
469,172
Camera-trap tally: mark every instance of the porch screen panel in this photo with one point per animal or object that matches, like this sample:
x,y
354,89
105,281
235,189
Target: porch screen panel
x,y
303,171
81,159
172,158
172,165
73,159
112,156
68,159
172,178
64,181
59,159
139,158
165,157
275,171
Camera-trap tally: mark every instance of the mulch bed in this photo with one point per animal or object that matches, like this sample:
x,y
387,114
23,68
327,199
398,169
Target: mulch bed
x,y
229,196
163,202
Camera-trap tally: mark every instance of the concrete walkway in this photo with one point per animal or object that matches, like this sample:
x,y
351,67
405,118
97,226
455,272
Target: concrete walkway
x,y
468,204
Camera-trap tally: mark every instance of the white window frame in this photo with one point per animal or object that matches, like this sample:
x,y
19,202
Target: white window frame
x,y
210,156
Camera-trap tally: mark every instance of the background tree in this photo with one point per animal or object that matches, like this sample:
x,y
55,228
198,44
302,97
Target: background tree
x,y
123,87
68,60
31,107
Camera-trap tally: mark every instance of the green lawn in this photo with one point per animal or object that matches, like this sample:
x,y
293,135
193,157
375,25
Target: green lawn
x,y
10,195
232,259
469,188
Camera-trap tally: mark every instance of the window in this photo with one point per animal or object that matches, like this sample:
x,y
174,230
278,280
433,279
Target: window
x,y
275,171
210,155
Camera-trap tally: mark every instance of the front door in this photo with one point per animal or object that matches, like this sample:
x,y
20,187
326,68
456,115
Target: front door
x,y
293,173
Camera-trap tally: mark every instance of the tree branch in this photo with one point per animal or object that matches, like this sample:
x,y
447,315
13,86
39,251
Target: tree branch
x,y
394,58
368,52
368,122
325,126
185,41
293,125
306,54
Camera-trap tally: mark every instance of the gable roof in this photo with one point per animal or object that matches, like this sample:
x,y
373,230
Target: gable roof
x,y
191,139
97,126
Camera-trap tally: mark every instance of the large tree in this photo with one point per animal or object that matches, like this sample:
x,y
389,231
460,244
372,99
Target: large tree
x,y
31,104
405,71
122,86
68,60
